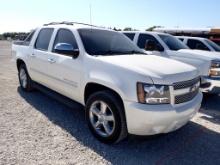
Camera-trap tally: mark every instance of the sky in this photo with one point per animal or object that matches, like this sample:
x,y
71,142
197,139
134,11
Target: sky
x,y
24,15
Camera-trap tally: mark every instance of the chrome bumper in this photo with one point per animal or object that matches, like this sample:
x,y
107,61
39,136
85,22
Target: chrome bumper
x,y
210,85
144,119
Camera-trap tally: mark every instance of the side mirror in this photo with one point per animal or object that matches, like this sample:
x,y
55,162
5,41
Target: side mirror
x,y
67,49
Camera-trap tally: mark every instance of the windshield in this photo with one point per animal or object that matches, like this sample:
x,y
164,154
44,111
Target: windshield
x,y
172,42
105,42
213,45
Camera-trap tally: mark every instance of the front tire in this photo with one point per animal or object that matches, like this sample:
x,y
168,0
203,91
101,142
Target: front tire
x,y
105,117
24,79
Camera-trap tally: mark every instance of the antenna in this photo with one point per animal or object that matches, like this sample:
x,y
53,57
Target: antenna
x,y
90,12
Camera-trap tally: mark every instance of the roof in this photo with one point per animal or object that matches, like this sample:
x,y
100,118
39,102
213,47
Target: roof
x,y
184,30
74,25
145,32
199,38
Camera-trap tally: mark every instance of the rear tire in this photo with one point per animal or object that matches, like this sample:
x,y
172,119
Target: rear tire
x,y
105,117
24,79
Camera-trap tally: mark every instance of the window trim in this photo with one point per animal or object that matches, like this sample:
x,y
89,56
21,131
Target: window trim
x,y
45,50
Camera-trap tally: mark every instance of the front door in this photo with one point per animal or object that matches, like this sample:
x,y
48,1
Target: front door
x,y
64,70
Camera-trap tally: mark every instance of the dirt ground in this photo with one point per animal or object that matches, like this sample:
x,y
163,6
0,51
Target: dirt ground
x,y
36,129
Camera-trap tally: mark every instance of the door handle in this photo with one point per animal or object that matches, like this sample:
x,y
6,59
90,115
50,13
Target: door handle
x,y
33,55
50,60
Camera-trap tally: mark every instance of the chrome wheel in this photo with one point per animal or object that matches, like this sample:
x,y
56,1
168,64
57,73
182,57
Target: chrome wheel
x,y
102,118
23,78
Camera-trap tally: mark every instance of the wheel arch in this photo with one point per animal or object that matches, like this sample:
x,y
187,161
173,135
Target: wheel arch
x,y
92,87
19,62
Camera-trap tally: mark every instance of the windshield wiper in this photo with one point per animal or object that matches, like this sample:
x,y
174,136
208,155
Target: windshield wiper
x,y
108,52
135,52
111,52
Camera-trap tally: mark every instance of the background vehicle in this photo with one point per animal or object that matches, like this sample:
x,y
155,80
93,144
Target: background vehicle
x,y
212,34
169,46
200,43
122,89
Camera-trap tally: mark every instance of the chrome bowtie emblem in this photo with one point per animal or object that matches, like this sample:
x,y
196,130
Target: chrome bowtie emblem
x,y
193,88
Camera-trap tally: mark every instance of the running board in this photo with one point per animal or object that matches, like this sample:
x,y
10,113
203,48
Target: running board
x,y
60,98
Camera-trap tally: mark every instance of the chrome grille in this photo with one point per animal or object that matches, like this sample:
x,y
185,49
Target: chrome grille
x,y
186,84
191,85
186,97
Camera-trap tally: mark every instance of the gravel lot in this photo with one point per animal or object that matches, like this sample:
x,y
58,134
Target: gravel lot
x,y
36,129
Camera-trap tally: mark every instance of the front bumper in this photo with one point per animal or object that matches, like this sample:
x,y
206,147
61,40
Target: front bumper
x,y
213,87
143,119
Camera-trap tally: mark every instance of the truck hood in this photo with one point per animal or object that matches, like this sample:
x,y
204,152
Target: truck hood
x,y
203,54
202,63
161,70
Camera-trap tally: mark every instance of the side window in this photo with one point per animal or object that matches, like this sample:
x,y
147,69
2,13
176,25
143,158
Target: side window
x,y
130,35
43,39
65,36
181,39
196,44
143,38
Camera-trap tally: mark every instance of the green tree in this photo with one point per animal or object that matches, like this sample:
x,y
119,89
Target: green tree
x,y
14,35
152,28
115,29
128,29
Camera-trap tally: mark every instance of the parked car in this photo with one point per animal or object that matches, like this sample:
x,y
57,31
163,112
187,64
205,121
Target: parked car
x,y
200,43
166,45
123,90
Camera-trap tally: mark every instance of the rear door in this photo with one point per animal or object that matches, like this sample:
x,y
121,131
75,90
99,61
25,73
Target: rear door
x,y
64,70
38,59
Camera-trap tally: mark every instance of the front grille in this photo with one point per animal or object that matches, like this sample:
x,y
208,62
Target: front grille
x,y
193,87
186,84
186,97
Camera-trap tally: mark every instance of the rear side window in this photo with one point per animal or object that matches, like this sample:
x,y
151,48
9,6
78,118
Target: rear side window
x,y
29,38
43,39
143,38
196,44
65,36
130,35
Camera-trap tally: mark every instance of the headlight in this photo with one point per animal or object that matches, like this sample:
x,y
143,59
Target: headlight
x,y
215,64
214,73
153,94
215,69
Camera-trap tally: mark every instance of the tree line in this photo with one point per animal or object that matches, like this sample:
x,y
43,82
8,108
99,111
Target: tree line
x,y
13,36
132,29
23,35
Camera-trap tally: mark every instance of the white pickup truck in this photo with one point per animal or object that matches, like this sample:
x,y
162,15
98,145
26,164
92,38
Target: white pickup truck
x,y
166,45
123,90
200,44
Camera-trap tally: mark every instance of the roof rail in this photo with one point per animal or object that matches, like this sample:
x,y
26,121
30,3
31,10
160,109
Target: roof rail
x,y
68,23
